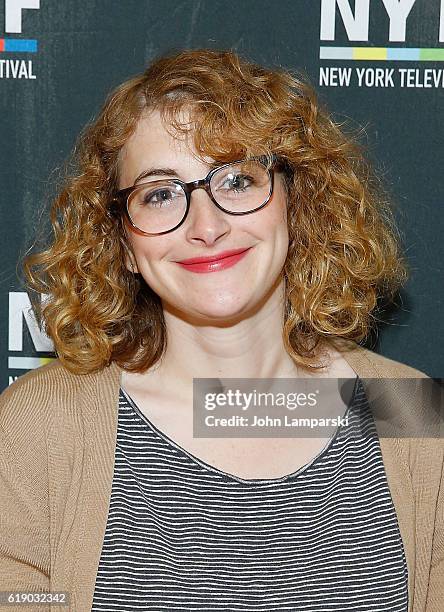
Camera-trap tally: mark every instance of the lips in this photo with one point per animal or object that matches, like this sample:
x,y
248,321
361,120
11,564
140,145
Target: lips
x,y
210,258
223,260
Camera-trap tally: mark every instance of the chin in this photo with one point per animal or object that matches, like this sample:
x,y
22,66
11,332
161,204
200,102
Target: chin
x,y
223,312
211,307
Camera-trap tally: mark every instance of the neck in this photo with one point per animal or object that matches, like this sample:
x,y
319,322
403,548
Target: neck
x,y
247,347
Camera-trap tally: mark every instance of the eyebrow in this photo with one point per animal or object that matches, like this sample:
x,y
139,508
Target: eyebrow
x,y
155,172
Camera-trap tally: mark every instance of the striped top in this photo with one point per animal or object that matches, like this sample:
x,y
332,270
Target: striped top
x,y
183,535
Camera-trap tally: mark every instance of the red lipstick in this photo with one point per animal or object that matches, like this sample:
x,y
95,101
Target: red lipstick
x,y
214,263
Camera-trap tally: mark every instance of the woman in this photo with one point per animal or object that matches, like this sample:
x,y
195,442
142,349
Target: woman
x,y
220,225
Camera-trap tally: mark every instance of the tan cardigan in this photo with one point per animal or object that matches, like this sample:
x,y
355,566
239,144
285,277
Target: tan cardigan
x,y
57,441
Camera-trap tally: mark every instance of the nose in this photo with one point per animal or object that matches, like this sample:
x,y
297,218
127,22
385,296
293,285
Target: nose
x,y
205,222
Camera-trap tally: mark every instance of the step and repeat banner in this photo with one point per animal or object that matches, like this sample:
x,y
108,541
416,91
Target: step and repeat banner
x,y
378,64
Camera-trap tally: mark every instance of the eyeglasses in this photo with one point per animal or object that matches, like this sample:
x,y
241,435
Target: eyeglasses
x,y
159,207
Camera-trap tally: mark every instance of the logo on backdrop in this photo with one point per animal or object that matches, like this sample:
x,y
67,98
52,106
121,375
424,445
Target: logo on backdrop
x,y
351,61
14,65
25,337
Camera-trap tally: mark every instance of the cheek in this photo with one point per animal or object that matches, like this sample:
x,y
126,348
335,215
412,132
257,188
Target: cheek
x,y
146,249
278,202
278,225
151,248
277,214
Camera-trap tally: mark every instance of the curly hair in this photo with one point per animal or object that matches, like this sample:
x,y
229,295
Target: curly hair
x,y
343,253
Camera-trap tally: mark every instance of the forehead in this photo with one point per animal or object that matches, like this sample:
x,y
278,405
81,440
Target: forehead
x,y
154,142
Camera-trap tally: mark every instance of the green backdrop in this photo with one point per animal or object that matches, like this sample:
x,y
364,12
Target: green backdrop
x,y
58,62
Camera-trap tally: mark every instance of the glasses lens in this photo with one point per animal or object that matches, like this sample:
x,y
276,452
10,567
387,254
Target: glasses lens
x,y
157,206
241,187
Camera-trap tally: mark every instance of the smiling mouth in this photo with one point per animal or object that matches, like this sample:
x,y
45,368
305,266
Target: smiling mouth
x,y
217,257
214,265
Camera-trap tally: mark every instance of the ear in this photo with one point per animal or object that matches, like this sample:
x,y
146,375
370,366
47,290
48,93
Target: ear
x,y
130,262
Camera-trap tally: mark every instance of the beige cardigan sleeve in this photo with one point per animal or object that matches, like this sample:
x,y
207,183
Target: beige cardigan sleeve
x,y
435,595
24,499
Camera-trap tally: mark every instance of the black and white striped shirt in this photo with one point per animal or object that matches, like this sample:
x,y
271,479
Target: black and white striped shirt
x,y
183,535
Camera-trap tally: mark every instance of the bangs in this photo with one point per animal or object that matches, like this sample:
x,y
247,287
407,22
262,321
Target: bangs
x,y
224,125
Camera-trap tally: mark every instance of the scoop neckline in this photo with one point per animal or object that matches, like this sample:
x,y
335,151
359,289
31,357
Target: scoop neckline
x,y
227,475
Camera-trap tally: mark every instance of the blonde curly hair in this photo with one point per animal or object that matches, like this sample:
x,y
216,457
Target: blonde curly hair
x,y
343,243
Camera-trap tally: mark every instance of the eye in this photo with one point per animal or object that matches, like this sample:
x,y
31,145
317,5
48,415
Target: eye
x,y
237,182
159,197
